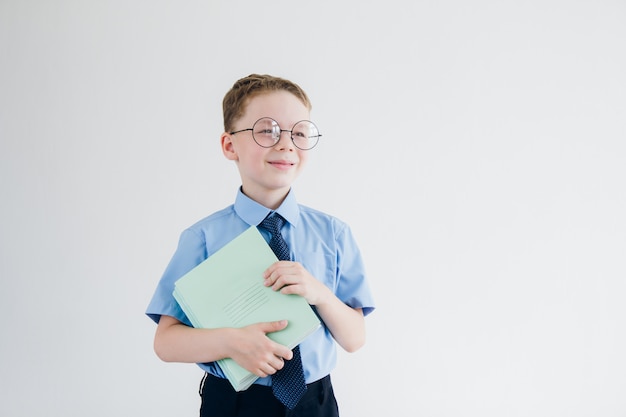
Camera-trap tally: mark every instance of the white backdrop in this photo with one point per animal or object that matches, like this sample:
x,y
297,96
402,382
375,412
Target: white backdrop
x,y
490,134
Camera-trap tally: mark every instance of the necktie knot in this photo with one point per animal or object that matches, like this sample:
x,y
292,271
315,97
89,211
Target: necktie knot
x,y
273,223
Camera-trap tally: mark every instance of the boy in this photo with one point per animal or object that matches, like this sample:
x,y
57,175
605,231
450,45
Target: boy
x,y
267,133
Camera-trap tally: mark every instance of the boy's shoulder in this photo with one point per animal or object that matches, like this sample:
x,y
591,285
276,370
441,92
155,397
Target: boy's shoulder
x,y
216,229
310,211
217,218
315,215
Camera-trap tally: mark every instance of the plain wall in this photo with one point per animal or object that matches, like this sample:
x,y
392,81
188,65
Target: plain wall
x,y
490,135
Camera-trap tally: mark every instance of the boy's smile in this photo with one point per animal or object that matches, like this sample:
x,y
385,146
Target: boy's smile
x,y
282,164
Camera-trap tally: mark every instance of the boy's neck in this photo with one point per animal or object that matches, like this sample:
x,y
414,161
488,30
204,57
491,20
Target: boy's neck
x,y
271,200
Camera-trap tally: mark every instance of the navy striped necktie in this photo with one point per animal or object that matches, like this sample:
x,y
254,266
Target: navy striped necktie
x,y
288,384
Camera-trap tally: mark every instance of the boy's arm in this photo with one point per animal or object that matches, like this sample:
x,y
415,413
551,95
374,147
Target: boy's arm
x,y
346,324
248,346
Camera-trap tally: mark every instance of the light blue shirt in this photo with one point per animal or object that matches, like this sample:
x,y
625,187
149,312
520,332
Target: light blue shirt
x,y
323,244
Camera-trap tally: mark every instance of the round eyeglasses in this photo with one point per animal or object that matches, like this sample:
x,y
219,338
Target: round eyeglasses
x,y
266,133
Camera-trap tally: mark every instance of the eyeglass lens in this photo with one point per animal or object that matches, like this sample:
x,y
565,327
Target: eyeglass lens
x,y
266,132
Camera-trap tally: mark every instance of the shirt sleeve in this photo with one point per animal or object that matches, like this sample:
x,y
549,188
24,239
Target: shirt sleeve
x,y
352,286
191,251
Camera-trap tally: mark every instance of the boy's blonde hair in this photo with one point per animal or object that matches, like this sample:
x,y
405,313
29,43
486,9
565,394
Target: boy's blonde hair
x,y
236,99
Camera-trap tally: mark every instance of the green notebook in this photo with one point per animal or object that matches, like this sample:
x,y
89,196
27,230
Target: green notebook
x,y
226,290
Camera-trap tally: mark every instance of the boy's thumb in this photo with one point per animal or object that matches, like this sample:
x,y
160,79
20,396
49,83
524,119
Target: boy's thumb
x,y
275,326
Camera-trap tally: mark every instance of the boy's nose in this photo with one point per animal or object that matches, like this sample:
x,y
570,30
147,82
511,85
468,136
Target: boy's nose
x,y
285,140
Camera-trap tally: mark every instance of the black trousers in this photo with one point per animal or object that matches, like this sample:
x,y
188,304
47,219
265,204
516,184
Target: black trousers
x,y
219,399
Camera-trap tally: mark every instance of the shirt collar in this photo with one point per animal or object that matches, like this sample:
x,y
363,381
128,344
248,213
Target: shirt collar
x,y
253,213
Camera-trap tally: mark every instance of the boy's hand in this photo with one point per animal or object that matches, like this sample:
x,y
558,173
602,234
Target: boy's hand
x,y
292,278
256,352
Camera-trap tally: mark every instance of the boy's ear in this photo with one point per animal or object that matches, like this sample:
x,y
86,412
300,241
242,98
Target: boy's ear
x,y
228,148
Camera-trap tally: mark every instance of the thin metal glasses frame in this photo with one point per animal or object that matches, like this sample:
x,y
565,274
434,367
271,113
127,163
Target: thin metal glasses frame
x,y
280,132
